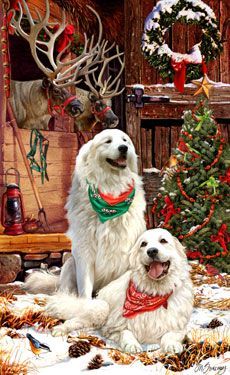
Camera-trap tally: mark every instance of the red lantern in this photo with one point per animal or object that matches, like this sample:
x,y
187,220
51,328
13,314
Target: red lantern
x,y
12,213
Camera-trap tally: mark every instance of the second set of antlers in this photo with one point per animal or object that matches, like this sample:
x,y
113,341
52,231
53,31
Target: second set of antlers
x,y
63,73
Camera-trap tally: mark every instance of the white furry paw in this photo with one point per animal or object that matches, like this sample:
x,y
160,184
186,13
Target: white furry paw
x,y
60,330
173,347
131,348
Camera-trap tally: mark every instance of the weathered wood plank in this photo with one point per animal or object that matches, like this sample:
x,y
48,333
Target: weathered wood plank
x,y
161,145
175,133
149,74
214,65
134,59
32,243
225,31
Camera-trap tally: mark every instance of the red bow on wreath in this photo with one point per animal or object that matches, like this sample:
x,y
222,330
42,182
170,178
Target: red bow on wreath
x,y
65,38
226,177
222,237
169,210
179,67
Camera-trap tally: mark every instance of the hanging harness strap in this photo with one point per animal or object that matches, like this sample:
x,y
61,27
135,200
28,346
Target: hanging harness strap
x,y
38,140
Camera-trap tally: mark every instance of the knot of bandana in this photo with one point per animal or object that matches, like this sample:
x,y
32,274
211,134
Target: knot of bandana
x,y
137,302
108,207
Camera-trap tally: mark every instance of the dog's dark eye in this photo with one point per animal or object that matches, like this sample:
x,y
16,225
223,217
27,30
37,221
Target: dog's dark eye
x,y
163,241
109,141
143,244
125,140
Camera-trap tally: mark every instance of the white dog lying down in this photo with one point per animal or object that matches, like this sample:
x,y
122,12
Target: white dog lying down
x,y
101,242
149,304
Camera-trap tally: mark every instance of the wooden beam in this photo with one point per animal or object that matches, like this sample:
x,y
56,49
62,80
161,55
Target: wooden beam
x,y
2,96
34,243
219,101
133,31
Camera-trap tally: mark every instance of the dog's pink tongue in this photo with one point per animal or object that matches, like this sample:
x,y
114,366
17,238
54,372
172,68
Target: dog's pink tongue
x,y
156,269
121,161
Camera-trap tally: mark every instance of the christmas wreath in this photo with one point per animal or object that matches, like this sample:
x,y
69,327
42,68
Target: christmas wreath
x,y
177,65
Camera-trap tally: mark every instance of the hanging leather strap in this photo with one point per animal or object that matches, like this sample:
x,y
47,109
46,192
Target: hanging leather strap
x,y
38,141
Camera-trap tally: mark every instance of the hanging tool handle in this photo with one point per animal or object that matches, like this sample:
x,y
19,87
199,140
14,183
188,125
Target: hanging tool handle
x,y
23,152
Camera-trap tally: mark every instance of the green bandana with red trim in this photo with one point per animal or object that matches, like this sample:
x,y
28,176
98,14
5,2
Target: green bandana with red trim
x,y
108,207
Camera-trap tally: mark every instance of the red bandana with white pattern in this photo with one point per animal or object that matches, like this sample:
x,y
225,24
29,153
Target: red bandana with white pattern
x,y
137,302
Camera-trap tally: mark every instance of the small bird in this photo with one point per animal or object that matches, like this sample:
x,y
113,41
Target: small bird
x,y
36,346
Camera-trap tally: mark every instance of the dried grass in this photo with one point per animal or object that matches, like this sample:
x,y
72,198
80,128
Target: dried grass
x,y
29,317
15,366
199,276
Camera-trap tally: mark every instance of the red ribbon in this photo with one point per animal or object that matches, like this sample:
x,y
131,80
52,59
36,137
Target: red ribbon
x,y
226,177
182,146
180,72
13,5
222,237
194,254
137,302
65,38
169,210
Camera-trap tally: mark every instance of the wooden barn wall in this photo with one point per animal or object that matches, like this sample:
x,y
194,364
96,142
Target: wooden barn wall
x,y
63,148
155,144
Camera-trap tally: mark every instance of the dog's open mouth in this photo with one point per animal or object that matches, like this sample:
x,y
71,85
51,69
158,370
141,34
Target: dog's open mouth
x,y
118,163
156,270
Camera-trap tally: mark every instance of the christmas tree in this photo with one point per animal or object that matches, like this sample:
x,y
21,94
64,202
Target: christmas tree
x,y
193,203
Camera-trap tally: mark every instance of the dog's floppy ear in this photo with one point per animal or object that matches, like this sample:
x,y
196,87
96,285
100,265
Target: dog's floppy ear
x,y
133,261
83,154
180,248
134,163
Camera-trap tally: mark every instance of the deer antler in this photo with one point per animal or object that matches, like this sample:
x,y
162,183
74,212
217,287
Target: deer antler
x,y
105,85
74,67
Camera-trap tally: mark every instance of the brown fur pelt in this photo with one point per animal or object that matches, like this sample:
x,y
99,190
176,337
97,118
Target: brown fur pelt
x,y
110,11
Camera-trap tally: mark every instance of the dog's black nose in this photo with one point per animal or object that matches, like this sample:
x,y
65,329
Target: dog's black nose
x,y
123,149
152,252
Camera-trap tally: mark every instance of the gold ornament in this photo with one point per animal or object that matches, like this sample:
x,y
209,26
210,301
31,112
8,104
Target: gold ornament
x,y
204,86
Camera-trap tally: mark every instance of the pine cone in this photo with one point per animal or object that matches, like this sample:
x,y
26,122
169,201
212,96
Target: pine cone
x,y
79,348
214,323
96,362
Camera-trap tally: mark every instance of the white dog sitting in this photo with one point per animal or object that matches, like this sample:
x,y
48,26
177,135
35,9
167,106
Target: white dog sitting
x,y
105,210
151,303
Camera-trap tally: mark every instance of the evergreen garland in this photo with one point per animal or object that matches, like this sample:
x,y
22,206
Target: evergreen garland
x,y
164,15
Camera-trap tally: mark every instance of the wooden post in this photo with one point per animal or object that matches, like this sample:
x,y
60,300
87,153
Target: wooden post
x,y
133,32
2,93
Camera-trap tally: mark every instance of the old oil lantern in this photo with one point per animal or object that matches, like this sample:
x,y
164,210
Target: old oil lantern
x,y
12,212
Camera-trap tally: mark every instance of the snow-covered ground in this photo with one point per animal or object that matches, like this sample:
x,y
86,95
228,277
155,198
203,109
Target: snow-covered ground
x,y
58,362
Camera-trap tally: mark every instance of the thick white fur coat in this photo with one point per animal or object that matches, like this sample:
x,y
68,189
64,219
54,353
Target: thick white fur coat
x,y
100,250
166,327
